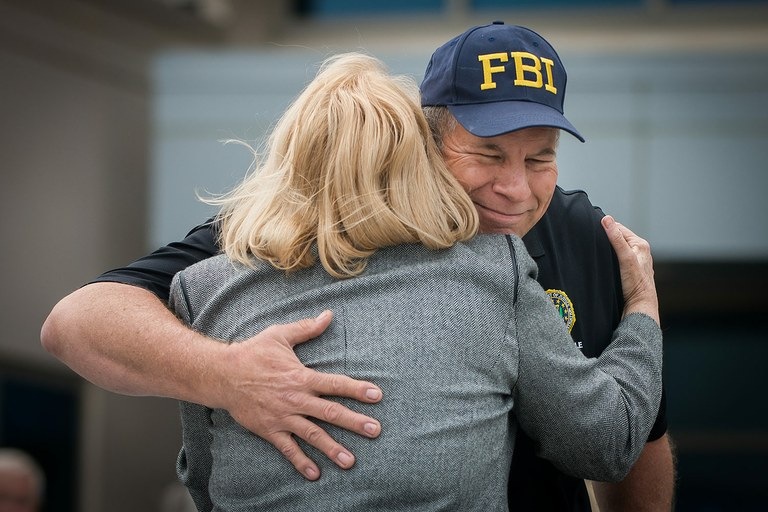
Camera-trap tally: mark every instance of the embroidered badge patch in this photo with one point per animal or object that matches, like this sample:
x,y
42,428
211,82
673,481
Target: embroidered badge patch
x,y
564,307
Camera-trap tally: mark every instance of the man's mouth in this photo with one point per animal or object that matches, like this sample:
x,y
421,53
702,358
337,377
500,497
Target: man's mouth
x,y
511,216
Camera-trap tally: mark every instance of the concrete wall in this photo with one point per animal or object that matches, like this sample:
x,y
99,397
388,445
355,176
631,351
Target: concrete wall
x,y
75,118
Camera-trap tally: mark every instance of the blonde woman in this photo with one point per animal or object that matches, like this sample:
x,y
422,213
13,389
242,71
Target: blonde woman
x,y
353,209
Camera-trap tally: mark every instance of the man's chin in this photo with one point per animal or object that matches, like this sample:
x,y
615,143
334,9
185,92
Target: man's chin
x,y
495,223
504,230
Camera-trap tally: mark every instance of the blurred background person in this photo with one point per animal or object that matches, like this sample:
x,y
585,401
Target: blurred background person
x,y
22,482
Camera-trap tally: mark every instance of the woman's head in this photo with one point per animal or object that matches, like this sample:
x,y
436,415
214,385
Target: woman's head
x,y
351,167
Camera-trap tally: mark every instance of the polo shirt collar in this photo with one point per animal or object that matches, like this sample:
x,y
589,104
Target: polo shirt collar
x,y
532,241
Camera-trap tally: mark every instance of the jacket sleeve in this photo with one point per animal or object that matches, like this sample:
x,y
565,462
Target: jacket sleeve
x,y
194,462
589,417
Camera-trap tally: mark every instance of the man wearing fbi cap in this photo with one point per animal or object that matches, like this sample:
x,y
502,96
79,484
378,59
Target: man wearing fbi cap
x,y
494,97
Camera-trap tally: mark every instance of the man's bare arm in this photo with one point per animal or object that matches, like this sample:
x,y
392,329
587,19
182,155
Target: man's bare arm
x,y
124,339
649,486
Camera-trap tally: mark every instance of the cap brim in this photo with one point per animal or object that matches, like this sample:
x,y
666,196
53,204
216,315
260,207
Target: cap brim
x,y
492,119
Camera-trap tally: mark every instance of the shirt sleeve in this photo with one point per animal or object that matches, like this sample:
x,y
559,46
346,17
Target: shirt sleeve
x,y
155,271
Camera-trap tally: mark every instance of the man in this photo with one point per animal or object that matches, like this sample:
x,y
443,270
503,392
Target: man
x,y
493,95
485,93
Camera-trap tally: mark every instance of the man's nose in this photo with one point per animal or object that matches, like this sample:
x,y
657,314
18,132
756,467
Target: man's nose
x,y
512,182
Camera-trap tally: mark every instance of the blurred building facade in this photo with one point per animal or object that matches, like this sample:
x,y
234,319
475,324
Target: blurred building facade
x,y
112,117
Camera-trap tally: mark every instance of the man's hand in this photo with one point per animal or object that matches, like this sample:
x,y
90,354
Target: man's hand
x,y
270,392
125,340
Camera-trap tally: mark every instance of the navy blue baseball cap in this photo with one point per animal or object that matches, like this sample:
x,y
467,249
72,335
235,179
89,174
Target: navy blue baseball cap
x,y
498,78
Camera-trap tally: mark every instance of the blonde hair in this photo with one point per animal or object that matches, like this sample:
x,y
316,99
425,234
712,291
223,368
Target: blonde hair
x,y
351,167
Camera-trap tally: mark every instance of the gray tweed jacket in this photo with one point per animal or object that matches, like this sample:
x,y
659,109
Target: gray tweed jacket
x,y
460,341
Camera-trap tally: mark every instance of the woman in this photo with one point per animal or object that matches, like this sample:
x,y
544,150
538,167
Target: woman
x,y
353,208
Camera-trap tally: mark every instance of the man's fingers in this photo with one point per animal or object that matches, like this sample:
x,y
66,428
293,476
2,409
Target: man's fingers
x,y
330,384
329,411
340,416
291,450
283,403
301,330
315,436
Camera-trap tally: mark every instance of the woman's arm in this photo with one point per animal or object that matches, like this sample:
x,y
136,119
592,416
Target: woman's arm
x,y
591,417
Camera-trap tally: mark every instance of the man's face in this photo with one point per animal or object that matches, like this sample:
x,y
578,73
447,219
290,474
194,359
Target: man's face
x,y
511,178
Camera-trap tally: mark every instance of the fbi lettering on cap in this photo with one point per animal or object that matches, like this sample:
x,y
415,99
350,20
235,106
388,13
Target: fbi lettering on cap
x,y
529,70
497,78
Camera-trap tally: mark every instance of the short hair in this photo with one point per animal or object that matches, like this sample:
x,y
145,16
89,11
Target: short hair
x,y
20,462
440,121
351,167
